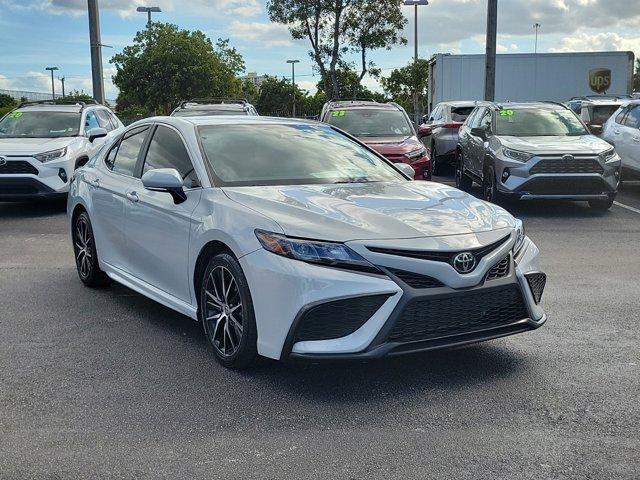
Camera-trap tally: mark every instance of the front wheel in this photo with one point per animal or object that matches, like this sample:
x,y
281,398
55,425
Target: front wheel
x,y
84,248
489,189
226,312
601,205
462,181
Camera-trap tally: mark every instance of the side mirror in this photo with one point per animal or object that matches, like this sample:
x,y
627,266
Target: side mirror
x,y
425,118
406,169
424,131
96,133
165,180
596,129
479,132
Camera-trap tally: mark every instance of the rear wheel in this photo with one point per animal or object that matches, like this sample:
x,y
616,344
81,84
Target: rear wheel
x,y
601,205
226,311
84,247
462,181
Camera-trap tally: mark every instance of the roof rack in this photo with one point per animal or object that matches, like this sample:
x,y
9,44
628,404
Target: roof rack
x,y
82,104
553,102
347,100
214,100
602,97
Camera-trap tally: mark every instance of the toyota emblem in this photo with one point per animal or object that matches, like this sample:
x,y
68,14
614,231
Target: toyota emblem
x,y
464,262
3,161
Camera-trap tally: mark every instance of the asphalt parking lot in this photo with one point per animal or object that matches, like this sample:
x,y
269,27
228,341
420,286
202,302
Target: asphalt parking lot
x,y
105,383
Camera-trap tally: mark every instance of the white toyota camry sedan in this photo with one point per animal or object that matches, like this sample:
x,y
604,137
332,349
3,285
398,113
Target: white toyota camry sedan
x,y
291,239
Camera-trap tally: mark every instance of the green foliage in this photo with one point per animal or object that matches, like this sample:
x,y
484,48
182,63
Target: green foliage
x,y
6,101
349,87
75,95
400,84
166,65
336,27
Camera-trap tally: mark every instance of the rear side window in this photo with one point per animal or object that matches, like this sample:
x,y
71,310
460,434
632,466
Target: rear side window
x,y
460,114
90,121
127,154
602,113
633,118
167,150
103,120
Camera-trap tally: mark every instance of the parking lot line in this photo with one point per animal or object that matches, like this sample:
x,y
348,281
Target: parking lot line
x,y
627,207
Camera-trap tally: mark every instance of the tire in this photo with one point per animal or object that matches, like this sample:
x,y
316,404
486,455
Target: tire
x,y
435,168
489,186
601,205
86,254
462,181
231,336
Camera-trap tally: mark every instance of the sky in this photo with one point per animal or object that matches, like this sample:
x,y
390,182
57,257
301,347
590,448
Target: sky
x,y
35,34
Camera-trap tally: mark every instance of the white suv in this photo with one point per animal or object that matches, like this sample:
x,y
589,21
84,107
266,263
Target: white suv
x,y
42,143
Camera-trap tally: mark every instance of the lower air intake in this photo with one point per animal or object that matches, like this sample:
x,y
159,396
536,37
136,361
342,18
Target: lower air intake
x,y
536,281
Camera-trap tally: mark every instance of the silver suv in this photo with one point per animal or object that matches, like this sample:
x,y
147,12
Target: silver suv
x,y
538,150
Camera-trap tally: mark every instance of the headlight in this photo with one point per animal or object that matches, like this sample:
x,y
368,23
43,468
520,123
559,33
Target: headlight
x,y
520,236
311,251
52,155
516,155
416,154
608,154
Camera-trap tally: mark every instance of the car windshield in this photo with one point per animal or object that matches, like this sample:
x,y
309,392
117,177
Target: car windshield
x,y
290,154
537,122
368,122
206,112
601,113
40,124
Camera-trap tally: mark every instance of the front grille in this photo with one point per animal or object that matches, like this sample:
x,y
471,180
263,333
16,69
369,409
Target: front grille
x,y
436,256
499,270
564,186
416,280
338,318
429,318
395,158
536,282
17,167
575,164
18,190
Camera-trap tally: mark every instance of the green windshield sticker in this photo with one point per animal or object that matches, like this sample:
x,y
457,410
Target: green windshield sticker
x,y
338,113
506,113
15,115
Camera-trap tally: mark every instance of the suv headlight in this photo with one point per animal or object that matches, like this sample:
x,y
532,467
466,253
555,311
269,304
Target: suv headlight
x,y
608,154
416,154
516,155
52,155
520,236
312,251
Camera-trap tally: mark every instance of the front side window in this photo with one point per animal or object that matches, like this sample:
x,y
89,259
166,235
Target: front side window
x,y
90,121
127,154
369,122
166,150
537,122
282,154
103,120
39,124
633,118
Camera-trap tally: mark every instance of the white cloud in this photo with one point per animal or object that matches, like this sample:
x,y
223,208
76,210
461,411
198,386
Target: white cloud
x,y
597,42
268,34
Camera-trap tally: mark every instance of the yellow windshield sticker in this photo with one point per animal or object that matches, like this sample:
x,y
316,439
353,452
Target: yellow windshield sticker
x,y
338,113
506,113
15,115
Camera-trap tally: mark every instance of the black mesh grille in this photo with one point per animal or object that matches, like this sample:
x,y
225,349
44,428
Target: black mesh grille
x,y
536,282
426,318
564,186
416,280
499,270
572,165
338,318
17,167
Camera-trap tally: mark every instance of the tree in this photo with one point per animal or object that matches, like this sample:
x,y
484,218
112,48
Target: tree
x,y
349,87
335,27
6,100
166,65
276,95
75,95
400,83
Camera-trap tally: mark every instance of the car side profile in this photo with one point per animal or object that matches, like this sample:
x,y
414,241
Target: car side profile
x,y
536,150
214,106
622,131
595,111
43,143
385,127
314,246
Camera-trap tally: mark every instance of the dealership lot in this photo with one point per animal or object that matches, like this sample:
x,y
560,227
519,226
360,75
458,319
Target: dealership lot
x,y
100,383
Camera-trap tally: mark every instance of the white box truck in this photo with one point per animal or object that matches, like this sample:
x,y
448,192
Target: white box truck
x,y
525,77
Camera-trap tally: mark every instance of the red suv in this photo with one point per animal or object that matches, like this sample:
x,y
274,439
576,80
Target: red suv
x,y
385,127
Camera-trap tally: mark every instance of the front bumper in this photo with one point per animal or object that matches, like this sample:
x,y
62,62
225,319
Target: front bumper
x,y
547,178
24,178
313,312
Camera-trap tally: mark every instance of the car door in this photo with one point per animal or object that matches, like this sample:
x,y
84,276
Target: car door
x,y
626,137
464,136
476,143
158,229
109,187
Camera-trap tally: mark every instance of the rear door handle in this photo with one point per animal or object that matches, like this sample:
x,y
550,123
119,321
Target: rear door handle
x,y
133,196
95,182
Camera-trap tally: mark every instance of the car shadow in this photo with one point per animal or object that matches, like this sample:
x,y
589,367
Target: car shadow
x,y
33,209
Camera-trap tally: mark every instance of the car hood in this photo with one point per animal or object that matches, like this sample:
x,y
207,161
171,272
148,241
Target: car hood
x,y
372,211
549,144
30,146
392,145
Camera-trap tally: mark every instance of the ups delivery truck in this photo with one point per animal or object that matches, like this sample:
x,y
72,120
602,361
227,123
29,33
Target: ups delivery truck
x,y
529,77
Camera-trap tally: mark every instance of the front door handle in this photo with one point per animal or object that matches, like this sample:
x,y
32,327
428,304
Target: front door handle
x,y
636,139
95,182
133,196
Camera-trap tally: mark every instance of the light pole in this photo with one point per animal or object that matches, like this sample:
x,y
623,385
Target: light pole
x,y
415,4
490,55
96,51
53,86
293,82
148,11
536,26
62,79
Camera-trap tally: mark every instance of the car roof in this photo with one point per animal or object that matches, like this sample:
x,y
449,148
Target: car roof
x,y
77,108
229,120
213,106
518,105
346,104
464,103
606,101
